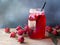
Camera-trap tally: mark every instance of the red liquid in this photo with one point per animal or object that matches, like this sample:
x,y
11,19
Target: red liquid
x,y
40,27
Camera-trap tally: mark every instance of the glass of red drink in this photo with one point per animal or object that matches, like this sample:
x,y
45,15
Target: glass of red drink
x,y
38,22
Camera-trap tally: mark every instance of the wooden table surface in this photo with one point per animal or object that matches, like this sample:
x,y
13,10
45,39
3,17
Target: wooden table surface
x,y
6,40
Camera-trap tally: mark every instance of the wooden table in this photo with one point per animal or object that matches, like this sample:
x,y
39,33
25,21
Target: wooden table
x,y
6,40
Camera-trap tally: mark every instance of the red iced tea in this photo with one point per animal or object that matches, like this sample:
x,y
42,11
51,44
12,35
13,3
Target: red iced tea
x,y
39,31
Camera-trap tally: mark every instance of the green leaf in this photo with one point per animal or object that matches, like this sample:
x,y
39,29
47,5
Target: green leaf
x,y
55,41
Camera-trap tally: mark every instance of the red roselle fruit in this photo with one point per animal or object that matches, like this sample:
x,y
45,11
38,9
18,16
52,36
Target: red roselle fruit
x,y
13,34
32,17
54,32
7,29
48,29
20,32
36,16
57,27
26,29
18,27
21,39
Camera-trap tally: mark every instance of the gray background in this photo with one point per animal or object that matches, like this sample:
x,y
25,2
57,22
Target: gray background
x,y
16,12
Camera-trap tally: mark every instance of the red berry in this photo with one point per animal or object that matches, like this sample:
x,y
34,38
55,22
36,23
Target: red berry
x,y
12,34
36,16
57,27
26,29
20,32
18,27
32,17
21,39
48,28
7,29
54,32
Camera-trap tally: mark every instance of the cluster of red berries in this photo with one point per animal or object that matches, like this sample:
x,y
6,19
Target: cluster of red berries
x,y
19,31
53,30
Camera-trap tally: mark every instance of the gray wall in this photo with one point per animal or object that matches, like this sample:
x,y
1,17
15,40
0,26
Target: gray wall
x,y
15,12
